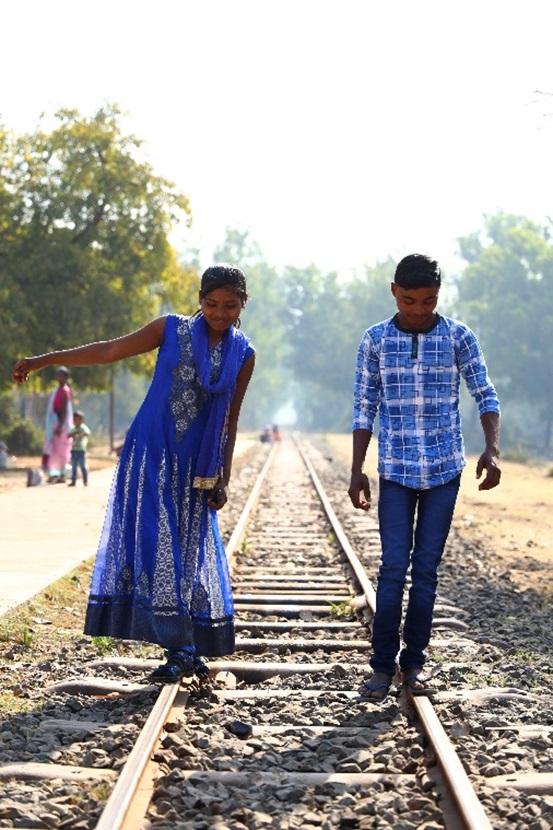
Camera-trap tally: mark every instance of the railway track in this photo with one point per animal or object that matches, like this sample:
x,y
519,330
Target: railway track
x,y
279,737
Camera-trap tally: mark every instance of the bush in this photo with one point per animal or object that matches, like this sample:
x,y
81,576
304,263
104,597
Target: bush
x,y
23,438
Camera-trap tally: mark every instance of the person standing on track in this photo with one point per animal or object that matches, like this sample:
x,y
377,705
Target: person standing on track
x,y
408,372
161,572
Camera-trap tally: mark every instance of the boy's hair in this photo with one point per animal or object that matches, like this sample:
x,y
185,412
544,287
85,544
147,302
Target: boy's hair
x,y
79,413
222,275
418,271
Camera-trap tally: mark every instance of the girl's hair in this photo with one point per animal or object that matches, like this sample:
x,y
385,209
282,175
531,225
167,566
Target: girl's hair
x,y
221,275
418,271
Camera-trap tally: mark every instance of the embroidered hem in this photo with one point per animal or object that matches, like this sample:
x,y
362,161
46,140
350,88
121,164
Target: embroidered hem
x,y
205,483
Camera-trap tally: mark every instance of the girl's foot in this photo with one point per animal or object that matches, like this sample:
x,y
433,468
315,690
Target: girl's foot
x,y
180,664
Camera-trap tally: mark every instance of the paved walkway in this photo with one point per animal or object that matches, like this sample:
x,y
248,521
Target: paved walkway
x,y
48,530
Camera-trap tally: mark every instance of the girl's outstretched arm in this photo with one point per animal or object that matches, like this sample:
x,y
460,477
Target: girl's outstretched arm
x,y
143,340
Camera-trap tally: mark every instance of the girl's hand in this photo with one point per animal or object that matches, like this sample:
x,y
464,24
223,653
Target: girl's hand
x,y
218,497
22,368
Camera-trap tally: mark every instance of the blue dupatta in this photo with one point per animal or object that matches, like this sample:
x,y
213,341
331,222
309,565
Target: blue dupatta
x,y
234,346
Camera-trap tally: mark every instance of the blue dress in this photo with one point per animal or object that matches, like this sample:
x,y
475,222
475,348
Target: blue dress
x,y
161,573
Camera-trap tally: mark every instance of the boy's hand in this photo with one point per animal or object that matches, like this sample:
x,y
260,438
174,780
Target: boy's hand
x,y
360,491
489,462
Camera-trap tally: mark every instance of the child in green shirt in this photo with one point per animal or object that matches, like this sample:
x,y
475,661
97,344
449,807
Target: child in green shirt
x,y
79,434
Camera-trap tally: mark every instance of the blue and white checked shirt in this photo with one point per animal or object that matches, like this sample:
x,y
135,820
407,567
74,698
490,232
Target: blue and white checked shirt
x,y
412,380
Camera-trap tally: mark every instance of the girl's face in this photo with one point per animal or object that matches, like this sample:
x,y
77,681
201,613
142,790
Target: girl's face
x,y
221,308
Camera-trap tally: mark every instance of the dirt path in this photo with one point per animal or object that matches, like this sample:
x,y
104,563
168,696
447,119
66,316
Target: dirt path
x,y
515,520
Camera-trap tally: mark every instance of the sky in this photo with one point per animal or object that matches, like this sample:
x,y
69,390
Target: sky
x,y
336,132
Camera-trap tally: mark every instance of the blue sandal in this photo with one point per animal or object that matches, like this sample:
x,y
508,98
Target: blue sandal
x,y
417,685
180,664
381,689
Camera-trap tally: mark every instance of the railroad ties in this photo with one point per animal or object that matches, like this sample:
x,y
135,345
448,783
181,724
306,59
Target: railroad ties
x,y
278,737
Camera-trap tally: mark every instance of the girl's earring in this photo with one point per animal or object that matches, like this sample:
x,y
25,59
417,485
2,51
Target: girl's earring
x,y
238,323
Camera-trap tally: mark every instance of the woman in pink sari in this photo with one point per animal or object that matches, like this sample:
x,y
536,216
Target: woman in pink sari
x,y
59,420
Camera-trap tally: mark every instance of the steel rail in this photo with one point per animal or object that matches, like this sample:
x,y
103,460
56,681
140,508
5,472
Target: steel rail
x,y
130,797
238,533
471,811
117,814
120,801
353,559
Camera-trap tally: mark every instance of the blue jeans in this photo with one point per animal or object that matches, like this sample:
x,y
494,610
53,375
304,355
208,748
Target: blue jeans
x,y
78,461
422,545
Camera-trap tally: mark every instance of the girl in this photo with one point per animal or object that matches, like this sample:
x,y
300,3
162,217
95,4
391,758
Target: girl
x,y
161,573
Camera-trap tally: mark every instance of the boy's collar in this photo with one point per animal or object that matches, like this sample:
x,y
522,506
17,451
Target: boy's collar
x,y
395,320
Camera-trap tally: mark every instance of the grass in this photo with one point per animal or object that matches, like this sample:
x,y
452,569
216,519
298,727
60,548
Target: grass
x,y
341,610
63,598
50,623
105,645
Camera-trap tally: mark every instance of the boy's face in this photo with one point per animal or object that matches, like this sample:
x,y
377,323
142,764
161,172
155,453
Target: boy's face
x,y
416,306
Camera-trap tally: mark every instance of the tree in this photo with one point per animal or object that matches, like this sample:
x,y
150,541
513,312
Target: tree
x,y
326,320
84,250
319,332
506,292
264,322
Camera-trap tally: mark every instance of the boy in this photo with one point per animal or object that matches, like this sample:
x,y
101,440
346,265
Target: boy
x,y
79,434
408,371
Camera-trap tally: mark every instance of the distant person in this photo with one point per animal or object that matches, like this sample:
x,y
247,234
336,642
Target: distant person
x,y
276,432
56,451
267,435
408,371
79,435
161,573
4,456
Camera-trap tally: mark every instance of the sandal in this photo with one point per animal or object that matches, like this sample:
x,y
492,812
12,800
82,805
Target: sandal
x,y
377,692
417,685
180,664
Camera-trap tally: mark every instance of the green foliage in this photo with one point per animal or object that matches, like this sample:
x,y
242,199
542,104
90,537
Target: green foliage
x,y
129,391
23,438
104,645
326,318
263,321
84,252
16,632
341,610
19,434
506,296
